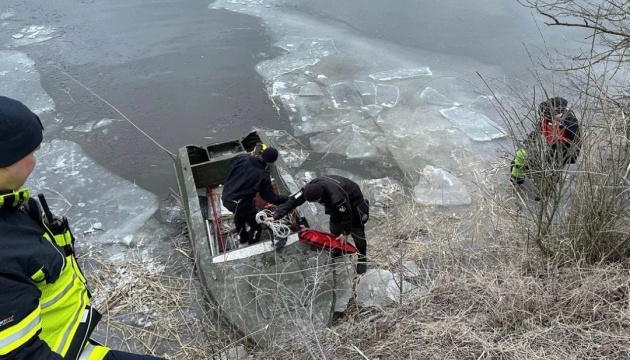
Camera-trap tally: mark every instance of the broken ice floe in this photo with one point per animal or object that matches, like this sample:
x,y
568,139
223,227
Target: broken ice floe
x,y
477,126
345,96
68,178
367,90
34,34
383,193
307,53
344,275
387,95
352,142
291,151
19,80
372,110
431,96
439,187
283,64
379,288
90,126
311,89
402,74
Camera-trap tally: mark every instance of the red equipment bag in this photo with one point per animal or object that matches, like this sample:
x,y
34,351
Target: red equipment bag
x,y
325,241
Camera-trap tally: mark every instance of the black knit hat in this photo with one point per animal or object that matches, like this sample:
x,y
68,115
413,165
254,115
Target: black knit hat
x,y
20,131
552,107
313,191
269,155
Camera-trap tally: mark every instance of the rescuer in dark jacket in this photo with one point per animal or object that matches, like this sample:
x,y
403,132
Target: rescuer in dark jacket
x,y
344,202
559,131
247,177
45,311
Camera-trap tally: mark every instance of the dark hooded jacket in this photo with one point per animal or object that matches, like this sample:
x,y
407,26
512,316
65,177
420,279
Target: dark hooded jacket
x,y
247,177
341,197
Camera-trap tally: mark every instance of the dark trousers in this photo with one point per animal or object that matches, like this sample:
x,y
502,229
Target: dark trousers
x,y
119,355
360,215
245,214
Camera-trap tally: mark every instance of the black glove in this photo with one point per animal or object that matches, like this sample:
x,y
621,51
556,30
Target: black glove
x,y
279,213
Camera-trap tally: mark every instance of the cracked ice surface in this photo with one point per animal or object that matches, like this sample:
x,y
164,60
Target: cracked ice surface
x,y
19,80
439,187
365,87
345,96
477,126
351,141
98,204
311,89
431,96
307,53
401,74
387,95
34,34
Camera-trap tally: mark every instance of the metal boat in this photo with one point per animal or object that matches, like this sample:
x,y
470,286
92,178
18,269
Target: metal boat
x,y
259,292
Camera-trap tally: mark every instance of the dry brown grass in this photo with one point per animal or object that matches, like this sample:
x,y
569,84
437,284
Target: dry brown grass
x,y
155,307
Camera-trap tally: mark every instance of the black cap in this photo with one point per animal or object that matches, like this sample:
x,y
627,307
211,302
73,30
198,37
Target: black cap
x,y
269,155
21,132
313,191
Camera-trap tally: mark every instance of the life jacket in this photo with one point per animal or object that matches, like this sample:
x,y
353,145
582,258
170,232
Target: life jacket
x,y
552,130
64,315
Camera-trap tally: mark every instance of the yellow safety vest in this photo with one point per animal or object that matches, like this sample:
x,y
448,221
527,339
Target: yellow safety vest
x,y
64,308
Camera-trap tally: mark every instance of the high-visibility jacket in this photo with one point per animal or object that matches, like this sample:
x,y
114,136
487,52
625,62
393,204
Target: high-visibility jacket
x,y
519,164
45,310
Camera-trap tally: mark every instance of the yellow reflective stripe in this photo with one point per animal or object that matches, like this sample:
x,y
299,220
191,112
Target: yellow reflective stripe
x,y
59,295
15,336
93,352
63,344
39,276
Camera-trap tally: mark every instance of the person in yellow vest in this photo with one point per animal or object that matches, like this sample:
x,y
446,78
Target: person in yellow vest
x,y
45,310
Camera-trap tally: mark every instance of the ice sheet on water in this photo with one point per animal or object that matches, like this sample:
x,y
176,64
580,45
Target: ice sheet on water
x,y
283,64
372,110
402,74
431,96
291,151
34,34
365,87
345,96
290,43
307,53
387,95
439,187
19,80
311,89
351,141
89,195
477,126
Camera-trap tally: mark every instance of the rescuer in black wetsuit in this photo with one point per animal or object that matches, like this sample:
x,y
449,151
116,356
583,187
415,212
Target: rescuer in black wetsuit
x,y
344,202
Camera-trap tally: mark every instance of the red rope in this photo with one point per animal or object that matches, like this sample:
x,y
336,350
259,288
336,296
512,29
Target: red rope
x,y
216,218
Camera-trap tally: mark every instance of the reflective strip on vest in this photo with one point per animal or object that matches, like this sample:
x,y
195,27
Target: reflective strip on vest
x,y
18,334
59,295
63,343
63,304
93,352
